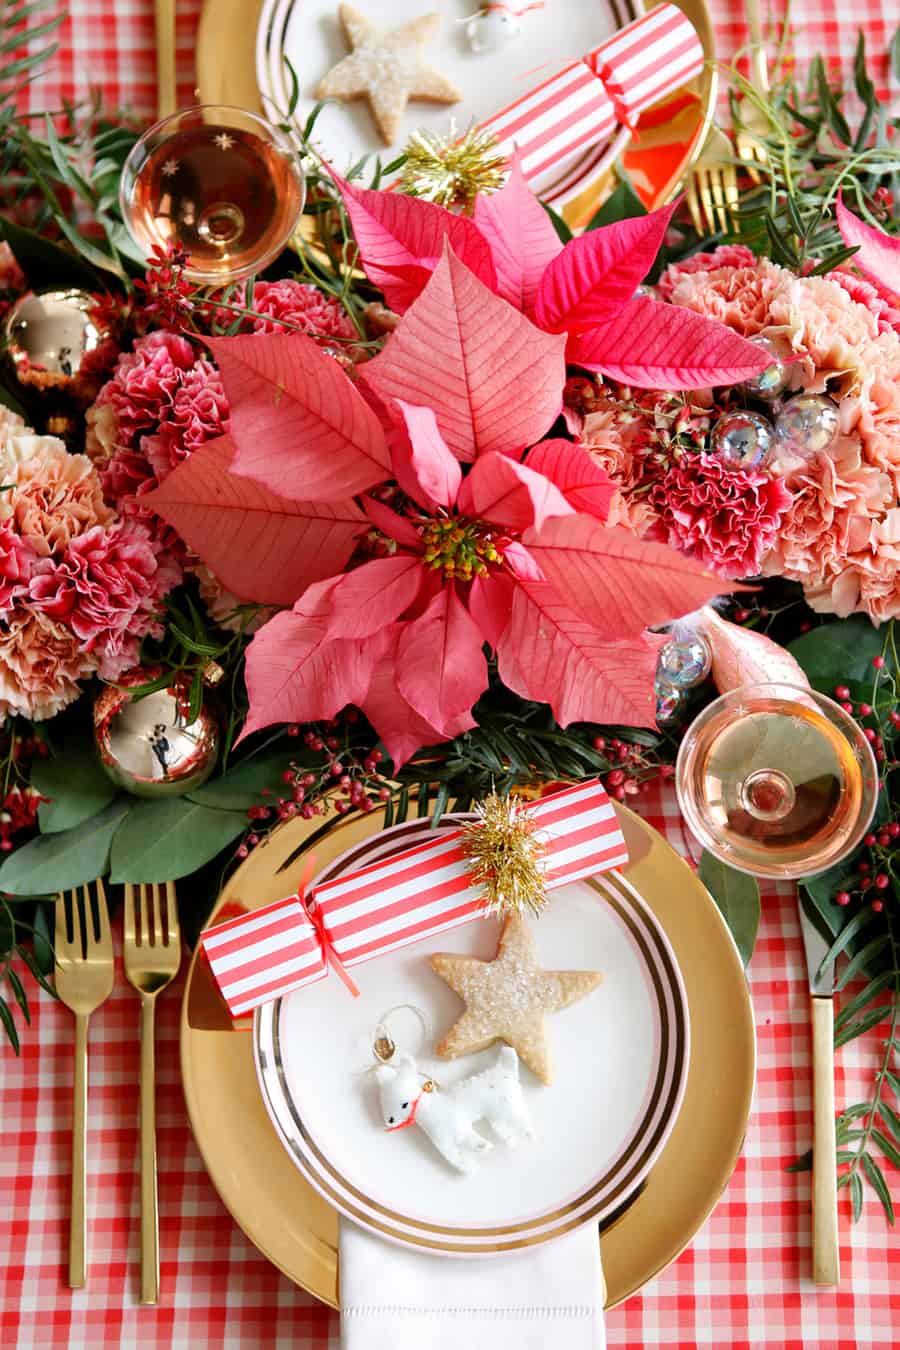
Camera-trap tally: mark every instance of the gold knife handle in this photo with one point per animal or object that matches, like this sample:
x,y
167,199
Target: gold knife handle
x,y
149,1214
167,101
78,1210
826,1252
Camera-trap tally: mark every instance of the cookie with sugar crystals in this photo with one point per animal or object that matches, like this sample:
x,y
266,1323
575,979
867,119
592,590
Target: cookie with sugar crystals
x,y
388,68
506,999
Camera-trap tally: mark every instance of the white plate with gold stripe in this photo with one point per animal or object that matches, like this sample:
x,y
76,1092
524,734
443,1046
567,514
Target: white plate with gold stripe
x,y
620,1067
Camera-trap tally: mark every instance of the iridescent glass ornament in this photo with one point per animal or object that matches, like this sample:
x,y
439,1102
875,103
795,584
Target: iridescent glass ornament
x,y
808,424
771,382
743,439
685,663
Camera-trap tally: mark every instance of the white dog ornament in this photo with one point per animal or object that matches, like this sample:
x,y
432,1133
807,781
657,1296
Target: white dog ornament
x,y
448,1115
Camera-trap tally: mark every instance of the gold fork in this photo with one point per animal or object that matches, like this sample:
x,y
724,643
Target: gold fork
x,y
84,980
749,136
152,950
712,191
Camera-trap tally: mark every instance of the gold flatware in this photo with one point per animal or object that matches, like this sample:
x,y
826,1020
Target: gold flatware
x,y
152,951
749,135
826,1252
84,980
712,189
166,99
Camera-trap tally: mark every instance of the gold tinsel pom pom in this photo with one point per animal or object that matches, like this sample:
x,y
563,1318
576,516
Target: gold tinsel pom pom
x,y
452,170
504,853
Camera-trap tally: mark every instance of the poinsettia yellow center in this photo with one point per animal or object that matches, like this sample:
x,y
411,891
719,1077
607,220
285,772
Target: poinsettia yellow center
x,y
462,549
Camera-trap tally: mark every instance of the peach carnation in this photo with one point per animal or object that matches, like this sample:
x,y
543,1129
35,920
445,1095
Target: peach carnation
x,y
55,496
305,306
41,663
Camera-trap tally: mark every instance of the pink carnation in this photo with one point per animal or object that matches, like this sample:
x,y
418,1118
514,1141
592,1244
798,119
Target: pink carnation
x,y
126,475
725,518
199,413
41,664
145,382
727,255
302,304
864,293
17,560
108,589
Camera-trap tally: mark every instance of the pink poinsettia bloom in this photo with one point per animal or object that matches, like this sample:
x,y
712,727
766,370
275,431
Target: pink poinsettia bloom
x,y
17,562
584,289
108,589
877,253
497,535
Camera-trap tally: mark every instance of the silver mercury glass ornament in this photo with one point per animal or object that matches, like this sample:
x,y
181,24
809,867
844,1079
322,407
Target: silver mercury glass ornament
x,y
684,663
808,423
149,746
48,336
770,383
743,439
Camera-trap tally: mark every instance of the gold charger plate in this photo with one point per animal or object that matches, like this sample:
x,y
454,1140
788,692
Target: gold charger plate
x,y
293,1226
669,138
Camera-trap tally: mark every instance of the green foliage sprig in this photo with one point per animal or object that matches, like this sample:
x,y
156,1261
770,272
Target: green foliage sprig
x,y
858,901
813,149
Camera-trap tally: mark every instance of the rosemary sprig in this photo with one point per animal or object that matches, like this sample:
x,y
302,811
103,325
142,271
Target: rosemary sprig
x,y
815,149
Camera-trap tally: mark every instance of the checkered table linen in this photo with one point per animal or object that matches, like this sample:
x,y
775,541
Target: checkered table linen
x,y
745,1279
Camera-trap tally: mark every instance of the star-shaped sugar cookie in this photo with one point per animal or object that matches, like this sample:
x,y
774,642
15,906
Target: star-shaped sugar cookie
x,y
387,68
506,998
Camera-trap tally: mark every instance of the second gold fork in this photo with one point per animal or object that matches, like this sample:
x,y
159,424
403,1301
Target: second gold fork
x,y
152,951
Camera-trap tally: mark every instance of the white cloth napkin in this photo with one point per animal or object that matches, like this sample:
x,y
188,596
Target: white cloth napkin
x,y
549,1297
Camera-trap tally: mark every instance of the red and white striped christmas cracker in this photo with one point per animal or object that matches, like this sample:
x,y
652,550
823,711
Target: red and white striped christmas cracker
x,y
260,956
404,898
582,104
566,112
650,58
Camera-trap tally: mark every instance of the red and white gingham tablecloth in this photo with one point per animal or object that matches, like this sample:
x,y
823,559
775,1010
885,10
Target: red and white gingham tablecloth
x,y
745,1279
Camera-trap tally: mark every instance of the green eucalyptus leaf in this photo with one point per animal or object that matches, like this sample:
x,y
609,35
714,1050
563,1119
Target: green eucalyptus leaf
x,y
21,997
879,1185
168,839
36,971
891,1119
737,896
76,785
46,264
559,224
623,203
9,1026
240,787
856,1196
44,923
873,988
890,1150
56,862
838,652
863,958
866,1022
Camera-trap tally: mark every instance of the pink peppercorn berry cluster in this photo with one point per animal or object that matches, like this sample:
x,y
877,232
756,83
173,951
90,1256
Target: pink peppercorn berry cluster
x,y
872,881
635,768
346,779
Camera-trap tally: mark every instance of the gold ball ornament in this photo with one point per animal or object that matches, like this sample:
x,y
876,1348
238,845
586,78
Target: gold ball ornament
x,y
50,338
149,746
